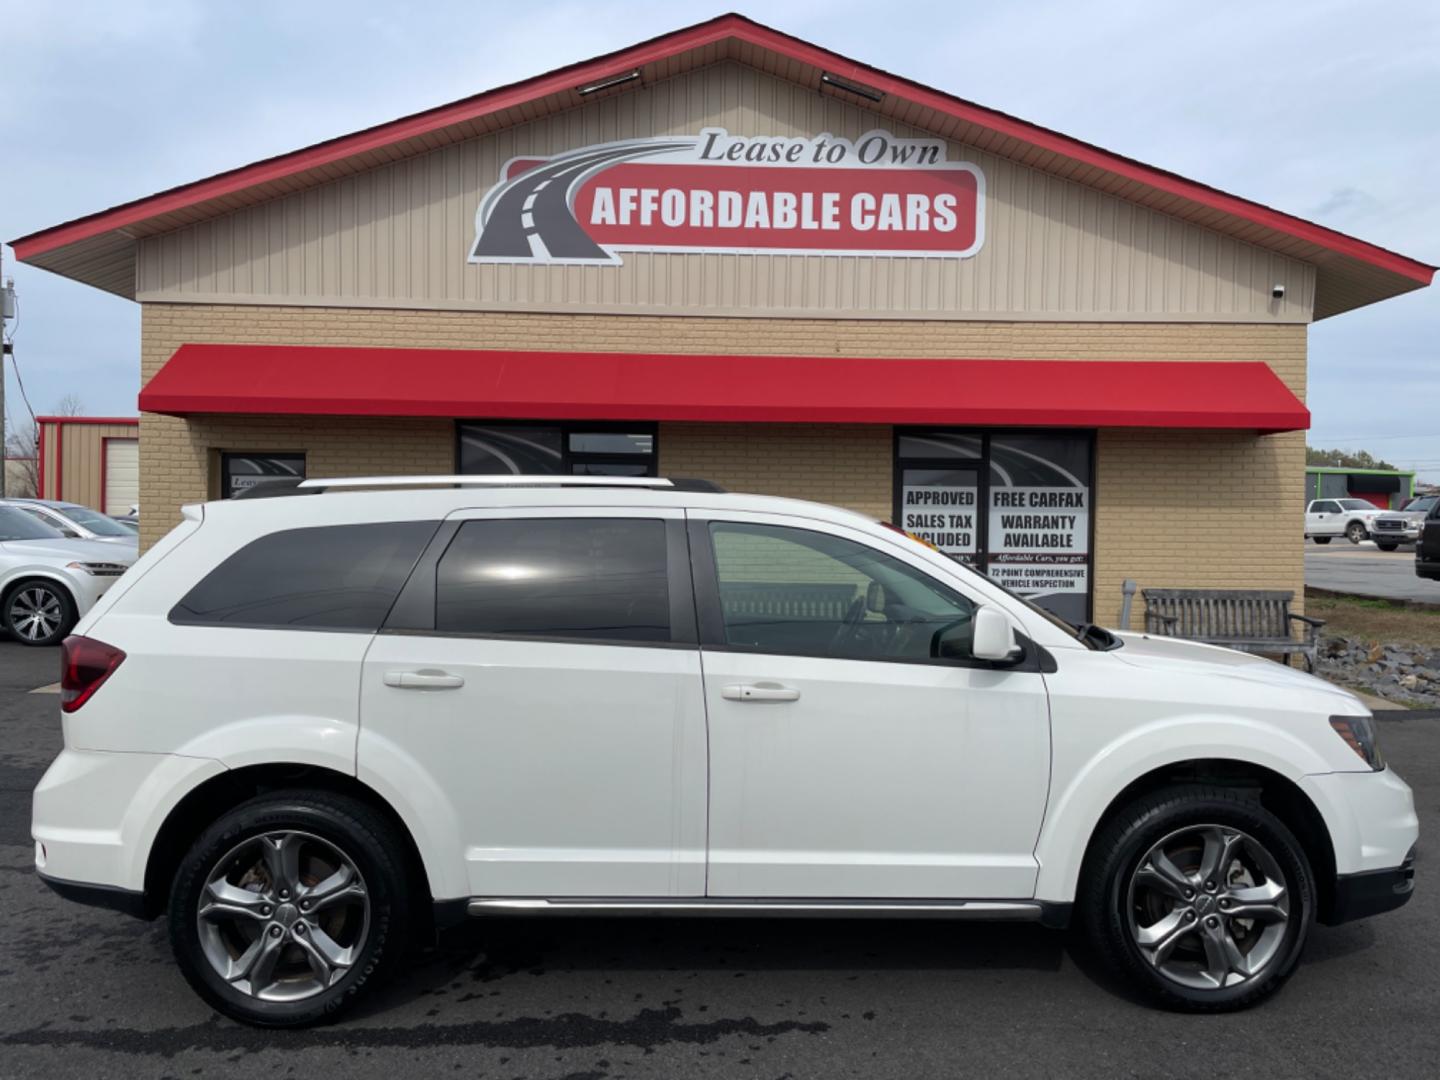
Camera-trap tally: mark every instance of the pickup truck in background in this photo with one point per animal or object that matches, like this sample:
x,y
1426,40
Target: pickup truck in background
x,y
1427,547
1326,519
1395,527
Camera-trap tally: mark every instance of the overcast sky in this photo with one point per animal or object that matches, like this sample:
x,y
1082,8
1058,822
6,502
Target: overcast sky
x,y
1325,109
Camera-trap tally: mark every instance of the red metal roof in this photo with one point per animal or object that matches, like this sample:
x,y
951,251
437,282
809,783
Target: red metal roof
x,y
331,381
723,28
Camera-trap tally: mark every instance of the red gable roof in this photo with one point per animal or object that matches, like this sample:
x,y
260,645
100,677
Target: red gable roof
x,y
729,36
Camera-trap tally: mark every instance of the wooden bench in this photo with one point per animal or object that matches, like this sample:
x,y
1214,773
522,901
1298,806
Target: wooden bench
x,y
1254,621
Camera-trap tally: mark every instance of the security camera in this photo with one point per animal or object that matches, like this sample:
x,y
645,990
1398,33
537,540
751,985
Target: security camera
x,y
1277,292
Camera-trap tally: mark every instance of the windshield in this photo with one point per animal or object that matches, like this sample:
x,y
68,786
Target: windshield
x,y
18,525
1355,504
95,521
1422,505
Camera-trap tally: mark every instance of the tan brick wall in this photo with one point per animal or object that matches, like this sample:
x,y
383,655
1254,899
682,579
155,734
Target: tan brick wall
x,y
1172,508
1203,509
845,464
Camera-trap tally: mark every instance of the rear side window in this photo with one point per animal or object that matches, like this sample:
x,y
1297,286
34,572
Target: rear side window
x,y
334,577
592,579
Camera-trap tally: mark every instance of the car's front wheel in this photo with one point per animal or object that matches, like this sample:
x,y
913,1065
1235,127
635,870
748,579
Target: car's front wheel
x,y
1387,547
38,612
1356,532
1200,897
290,907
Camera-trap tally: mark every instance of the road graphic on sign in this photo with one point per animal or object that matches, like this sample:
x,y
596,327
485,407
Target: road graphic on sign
x,y
533,215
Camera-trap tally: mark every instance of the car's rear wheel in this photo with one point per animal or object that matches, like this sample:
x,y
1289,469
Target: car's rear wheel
x,y
290,907
1200,897
1356,532
1321,539
38,612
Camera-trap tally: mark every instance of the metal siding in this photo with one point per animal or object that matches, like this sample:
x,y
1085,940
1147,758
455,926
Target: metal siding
x,y
1053,248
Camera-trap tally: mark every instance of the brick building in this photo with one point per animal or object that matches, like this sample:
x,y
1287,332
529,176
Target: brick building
x,y
728,253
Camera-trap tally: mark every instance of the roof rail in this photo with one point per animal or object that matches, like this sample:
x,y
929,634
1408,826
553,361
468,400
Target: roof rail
x,y
318,485
486,480
273,487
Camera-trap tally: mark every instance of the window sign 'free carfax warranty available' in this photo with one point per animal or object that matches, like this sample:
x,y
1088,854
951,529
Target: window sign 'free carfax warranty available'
x,y
721,193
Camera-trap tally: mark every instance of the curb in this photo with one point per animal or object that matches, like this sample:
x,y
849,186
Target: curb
x,y
1338,594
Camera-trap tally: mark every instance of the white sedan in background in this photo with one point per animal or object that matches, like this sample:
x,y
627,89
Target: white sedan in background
x,y
47,582
75,522
1326,519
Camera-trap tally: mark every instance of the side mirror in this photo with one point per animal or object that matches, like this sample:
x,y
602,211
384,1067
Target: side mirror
x,y
994,636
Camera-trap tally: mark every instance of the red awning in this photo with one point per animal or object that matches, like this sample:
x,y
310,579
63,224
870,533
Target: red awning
x,y
328,381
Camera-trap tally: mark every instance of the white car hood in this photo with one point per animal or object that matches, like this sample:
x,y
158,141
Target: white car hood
x,y
71,550
1193,658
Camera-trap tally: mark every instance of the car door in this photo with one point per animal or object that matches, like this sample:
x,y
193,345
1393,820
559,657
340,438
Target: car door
x,y
540,676
846,761
1322,519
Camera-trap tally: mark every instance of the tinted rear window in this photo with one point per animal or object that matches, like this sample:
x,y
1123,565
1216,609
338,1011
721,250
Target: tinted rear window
x,y
601,579
334,577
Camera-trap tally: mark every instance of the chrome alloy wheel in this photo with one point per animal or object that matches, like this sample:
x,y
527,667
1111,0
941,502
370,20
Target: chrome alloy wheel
x,y
1208,907
35,612
283,916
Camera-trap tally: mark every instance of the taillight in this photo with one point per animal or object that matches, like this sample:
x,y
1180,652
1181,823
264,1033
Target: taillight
x,y
85,664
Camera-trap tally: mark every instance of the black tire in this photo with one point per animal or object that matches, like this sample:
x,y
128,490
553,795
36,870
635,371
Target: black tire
x,y
358,833
1355,532
1386,547
1321,539
1128,835
26,594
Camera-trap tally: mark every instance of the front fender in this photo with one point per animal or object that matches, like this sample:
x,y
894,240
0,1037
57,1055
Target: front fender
x,y
1085,785
30,573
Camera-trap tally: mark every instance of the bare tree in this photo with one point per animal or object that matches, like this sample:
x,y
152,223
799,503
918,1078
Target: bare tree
x,y
70,405
22,462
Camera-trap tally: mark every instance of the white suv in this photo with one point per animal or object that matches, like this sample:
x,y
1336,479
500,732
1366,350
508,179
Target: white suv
x,y
311,729
47,581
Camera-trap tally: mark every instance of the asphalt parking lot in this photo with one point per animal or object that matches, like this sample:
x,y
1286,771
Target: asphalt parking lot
x,y
90,993
1364,570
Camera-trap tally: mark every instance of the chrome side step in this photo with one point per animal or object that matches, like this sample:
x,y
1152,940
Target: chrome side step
x,y
1007,910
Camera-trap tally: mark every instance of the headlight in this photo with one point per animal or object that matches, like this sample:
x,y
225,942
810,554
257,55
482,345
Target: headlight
x,y
1359,734
99,569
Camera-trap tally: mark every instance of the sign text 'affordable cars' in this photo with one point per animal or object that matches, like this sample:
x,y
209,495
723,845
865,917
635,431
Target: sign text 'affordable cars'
x,y
718,193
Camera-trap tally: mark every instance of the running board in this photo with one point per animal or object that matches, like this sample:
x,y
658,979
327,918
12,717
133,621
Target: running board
x,y
1007,910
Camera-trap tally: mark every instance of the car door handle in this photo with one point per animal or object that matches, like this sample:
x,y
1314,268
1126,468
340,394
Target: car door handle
x,y
759,692
423,680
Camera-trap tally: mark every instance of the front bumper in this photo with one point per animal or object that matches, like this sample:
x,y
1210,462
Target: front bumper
x,y
1394,536
1358,896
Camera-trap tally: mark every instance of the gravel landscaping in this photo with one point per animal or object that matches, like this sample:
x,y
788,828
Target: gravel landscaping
x,y
1406,673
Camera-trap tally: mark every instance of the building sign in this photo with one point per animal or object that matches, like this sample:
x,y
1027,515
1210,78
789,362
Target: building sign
x,y
1027,527
719,193
1039,520
941,507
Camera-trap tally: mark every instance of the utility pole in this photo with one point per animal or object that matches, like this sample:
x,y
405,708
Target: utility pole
x,y
7,312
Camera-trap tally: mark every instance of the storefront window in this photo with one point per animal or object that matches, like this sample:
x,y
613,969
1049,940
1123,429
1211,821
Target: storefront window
x,y
556,449
242,471
1015,505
